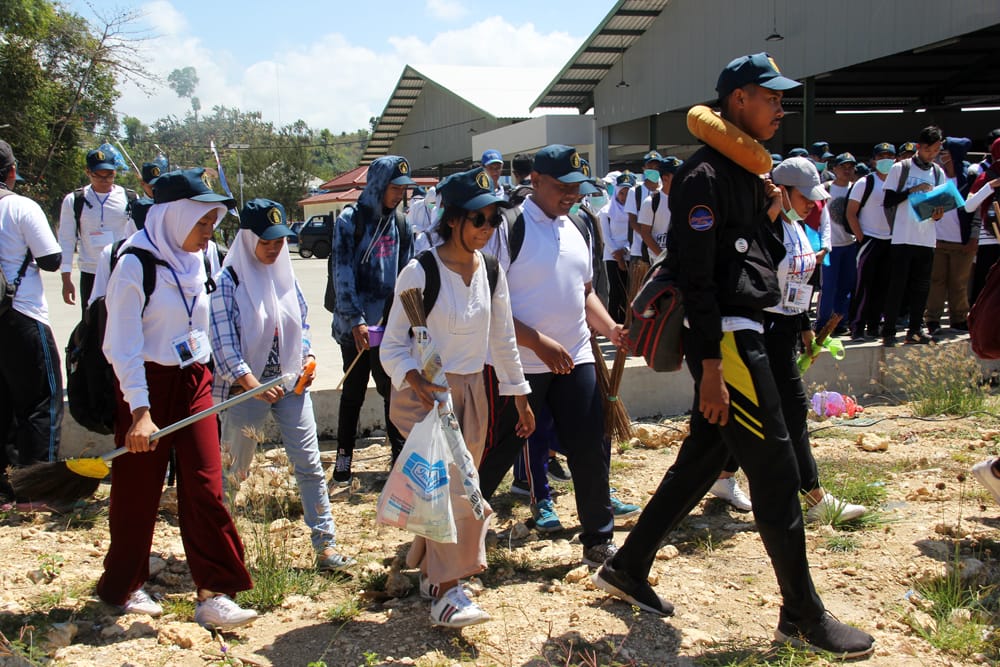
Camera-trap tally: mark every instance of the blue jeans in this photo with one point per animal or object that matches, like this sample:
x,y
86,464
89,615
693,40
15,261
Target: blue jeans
x,y
294,416
839,279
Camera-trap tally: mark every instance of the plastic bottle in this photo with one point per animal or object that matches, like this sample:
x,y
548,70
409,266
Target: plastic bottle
x,y
835,404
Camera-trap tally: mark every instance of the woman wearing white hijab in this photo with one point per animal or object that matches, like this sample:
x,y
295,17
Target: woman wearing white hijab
x,y
259,331
159,350
615,229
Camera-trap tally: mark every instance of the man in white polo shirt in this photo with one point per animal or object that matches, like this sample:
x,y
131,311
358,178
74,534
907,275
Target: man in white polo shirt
x,y
549,277
30,377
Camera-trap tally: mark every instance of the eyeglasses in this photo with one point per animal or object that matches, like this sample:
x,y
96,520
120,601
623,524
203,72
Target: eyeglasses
x,y
478,220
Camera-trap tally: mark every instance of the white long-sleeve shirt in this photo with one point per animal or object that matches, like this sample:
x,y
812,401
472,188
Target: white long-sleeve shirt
x,y
133,337
105,221
463,323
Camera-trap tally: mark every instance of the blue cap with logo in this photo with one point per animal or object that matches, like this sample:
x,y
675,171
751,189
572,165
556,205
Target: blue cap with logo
x,y
187,184
471,190
491,157
626,179
844,158
670,164
588,187
560,162
651,156
401,173
821,149
100,159
266,219
758,68
798,152
151,170
884,147
908,147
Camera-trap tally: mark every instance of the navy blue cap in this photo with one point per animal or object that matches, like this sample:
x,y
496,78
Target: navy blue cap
x,y
588,187
820,149
798,152
884,147
776,158
844,158
908,147
861,170
491,156
626,178
471,190
100,160
560,162
152,170
266,219
758,68
419,191
138,209
7,160
670,164
187,184
401,173
651,156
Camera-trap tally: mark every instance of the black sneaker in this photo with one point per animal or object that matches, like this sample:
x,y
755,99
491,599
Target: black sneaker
x,y
933,327
960,326
624,587
556,472
889,341
342,468
596,555
826,634
520,487
917,339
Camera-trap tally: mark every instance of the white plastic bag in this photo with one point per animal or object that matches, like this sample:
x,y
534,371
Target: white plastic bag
x,y
416,496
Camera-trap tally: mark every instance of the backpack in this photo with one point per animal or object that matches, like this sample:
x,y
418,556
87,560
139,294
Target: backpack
x,y
984,332
330,295
890,211
515,234
658,321
432,277
828,186
79,201
90,380
869,188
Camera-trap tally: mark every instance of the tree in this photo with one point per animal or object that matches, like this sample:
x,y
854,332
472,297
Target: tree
x,y
183,81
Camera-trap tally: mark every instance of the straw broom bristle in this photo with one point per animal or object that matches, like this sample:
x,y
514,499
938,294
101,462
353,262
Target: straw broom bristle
x,y
617,423
413,303
52,482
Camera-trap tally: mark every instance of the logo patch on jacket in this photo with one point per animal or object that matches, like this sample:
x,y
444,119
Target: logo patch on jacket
x,y
701,218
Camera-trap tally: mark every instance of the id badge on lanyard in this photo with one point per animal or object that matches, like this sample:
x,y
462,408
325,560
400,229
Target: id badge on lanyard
x,y
190,347
797,296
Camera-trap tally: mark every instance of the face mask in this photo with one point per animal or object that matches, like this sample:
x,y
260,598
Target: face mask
x,y
597,202
792,215
884,165
651,175
574,209
821,167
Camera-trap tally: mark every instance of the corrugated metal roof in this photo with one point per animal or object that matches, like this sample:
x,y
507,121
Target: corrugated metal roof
x,y
574,86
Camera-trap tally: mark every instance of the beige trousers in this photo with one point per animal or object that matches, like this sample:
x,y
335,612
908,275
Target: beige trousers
x,y
439,561
949,280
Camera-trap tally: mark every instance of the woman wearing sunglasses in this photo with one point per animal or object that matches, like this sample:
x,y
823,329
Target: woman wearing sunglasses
x,y
469,319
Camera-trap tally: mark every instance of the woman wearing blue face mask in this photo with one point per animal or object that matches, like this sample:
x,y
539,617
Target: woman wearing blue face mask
x,y
787,323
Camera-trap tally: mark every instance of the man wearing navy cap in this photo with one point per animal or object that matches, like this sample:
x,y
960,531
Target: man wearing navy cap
x,y
653,219
371,243
150,171
550,282
722,251
91,218
493,164
31,389
650,183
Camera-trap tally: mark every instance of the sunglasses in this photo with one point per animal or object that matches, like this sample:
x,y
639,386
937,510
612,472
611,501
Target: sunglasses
x,y
478,220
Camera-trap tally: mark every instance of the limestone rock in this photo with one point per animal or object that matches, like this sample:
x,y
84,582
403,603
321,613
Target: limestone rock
x,y
168,500
156,565
669,552
577,574
398,585
140,629
281,525
184,635
519,531
60,635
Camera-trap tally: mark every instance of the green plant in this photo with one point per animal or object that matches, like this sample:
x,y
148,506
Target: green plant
x,y
51,565
371,658
941,379
745,654
841,543
180,606
23,649
373,579
343,611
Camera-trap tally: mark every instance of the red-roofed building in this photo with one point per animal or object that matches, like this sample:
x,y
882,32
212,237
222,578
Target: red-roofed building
x,y
344,189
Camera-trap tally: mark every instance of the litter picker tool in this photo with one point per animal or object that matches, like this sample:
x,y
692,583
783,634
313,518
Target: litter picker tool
x,y
823,340
340,385
73,479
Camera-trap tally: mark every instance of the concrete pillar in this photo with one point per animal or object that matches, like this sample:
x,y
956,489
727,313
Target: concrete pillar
x,y
600,163
653,140
808,110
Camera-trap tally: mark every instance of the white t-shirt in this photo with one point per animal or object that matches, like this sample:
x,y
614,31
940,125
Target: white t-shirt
x,y
948,228
973,205
104,221
907,230
659,221
614,227
840,234
464,322
632,206
547,282
104,269
871,215
24,227
795,269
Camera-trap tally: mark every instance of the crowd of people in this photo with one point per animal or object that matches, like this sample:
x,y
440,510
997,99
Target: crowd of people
x,y
520,279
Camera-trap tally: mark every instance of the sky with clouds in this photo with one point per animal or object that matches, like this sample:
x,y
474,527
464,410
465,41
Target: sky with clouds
x,y
334,64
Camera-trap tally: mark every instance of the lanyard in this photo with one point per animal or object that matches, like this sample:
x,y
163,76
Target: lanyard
x,y
102,202
194,299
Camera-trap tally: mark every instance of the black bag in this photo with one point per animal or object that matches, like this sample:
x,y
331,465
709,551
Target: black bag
x,y
90,380
658,321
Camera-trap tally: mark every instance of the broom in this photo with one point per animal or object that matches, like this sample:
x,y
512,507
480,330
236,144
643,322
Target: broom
x,y
72,479
617,424
636,275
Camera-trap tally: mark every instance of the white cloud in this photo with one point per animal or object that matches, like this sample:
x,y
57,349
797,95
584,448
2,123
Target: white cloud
x,y
331,82
446,10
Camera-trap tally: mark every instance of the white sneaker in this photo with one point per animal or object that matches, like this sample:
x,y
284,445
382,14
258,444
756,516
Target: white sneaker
x,y
429,591
455,610
983,471
727,489
221,613
831,509
140,603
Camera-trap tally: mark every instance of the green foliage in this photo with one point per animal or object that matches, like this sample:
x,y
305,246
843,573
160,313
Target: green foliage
x,y
942,379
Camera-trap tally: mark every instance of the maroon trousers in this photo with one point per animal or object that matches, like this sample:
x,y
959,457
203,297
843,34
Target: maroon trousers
x,y
213,547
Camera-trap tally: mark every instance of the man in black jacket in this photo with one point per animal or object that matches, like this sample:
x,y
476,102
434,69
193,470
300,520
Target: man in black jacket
x,y
723,216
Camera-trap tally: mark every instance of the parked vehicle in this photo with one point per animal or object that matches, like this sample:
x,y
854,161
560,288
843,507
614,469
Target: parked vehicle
x,y
293,241
316,236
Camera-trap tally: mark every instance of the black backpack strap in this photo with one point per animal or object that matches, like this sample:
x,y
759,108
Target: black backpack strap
x,y
492,271
210,285
403,242
115,247
149,263
515,237
79,201
232,274
581,227
656,202
432,279
869,187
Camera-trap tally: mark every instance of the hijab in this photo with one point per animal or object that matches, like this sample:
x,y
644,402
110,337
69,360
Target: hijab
x,y
268,301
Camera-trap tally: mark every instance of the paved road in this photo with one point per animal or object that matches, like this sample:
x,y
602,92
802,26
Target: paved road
x,y
312,277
